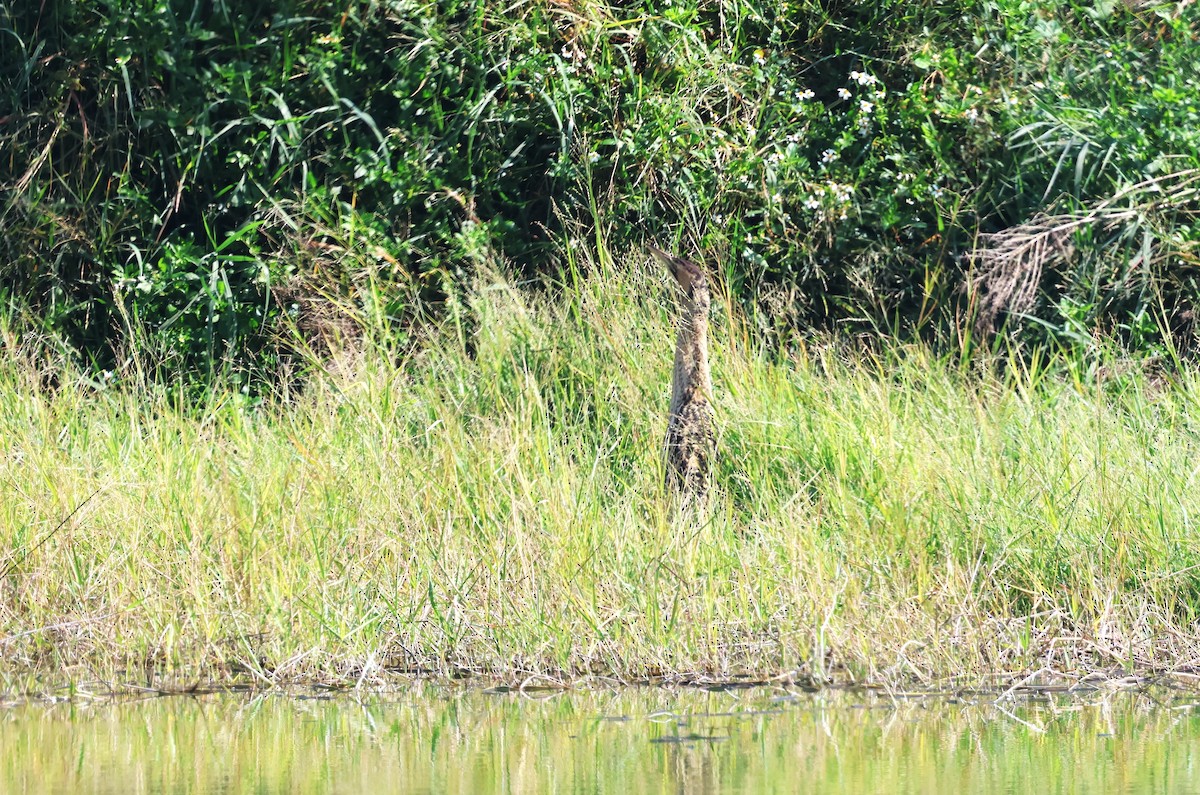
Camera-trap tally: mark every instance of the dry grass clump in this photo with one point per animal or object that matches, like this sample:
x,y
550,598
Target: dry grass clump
x,y
1010,264
493,504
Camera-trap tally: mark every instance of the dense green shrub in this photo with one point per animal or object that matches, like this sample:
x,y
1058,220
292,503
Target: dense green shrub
x,y
177,173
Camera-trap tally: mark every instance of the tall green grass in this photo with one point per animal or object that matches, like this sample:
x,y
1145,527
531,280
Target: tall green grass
x,y
488,499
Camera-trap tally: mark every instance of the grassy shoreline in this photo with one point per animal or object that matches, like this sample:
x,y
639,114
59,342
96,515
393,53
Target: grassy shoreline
x,y
491,503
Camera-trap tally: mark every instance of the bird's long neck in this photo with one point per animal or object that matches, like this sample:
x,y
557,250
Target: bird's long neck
x,y
692,377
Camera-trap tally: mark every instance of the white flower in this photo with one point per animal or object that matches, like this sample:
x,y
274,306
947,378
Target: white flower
x,y
805,95
863,79
594,157
812,203
936,191
844,93
828,156
840,192
971,115
865,107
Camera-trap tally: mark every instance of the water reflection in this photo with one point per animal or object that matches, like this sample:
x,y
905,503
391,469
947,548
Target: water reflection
x,y
636,740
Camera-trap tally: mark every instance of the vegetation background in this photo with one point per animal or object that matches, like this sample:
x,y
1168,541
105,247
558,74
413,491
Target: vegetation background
x,y
181,177
435,213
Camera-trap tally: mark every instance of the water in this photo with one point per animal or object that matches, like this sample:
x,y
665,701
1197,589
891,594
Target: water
x,y
437,740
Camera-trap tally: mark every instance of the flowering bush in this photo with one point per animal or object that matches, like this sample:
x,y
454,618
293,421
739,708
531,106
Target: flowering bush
x,y
843,167
837,162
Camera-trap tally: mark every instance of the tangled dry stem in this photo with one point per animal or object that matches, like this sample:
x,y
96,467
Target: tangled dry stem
x,y
1010,263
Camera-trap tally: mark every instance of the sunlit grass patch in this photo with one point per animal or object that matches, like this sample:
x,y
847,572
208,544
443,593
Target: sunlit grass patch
x,y
490,501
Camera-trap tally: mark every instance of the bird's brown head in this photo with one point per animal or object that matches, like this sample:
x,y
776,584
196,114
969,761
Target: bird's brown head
x,y
688,275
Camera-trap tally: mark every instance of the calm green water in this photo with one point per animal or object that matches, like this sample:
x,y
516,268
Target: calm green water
x,y
626,741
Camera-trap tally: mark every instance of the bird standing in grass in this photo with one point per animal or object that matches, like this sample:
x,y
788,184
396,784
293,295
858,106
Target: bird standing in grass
x,y
690,444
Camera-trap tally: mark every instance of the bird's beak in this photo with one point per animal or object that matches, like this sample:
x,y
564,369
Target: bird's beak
x,y
663,257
